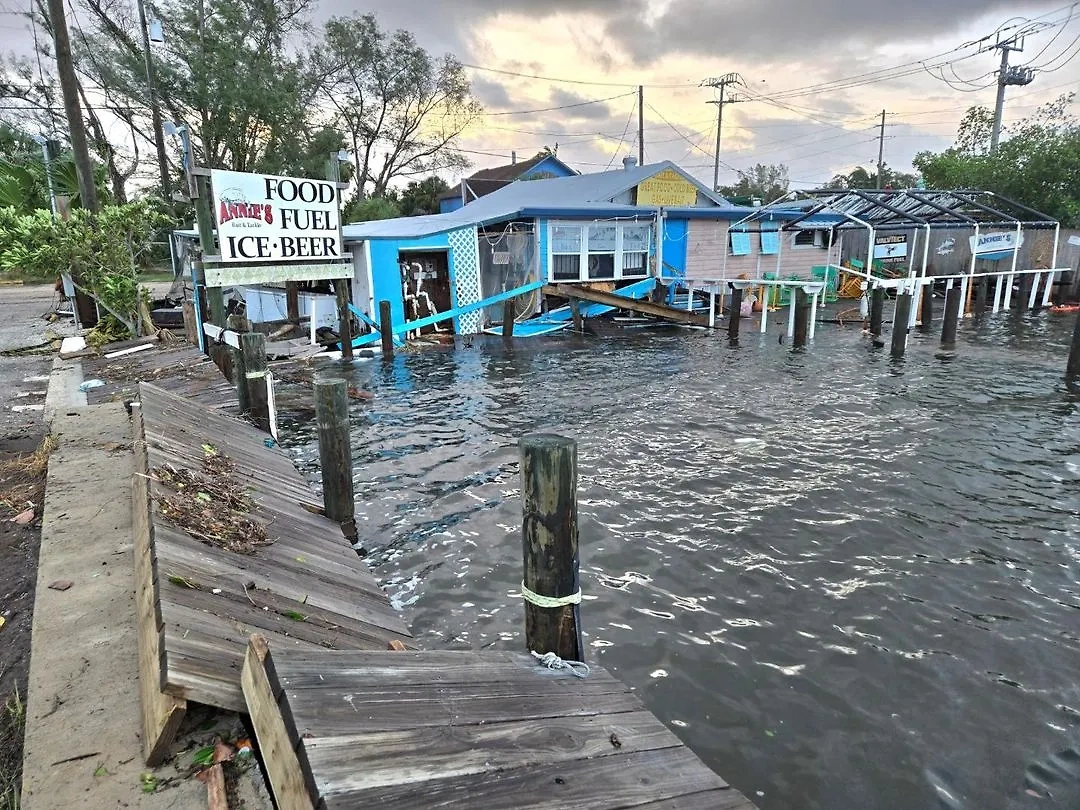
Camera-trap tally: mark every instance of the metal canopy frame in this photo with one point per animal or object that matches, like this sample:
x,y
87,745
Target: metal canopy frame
x,y
886,210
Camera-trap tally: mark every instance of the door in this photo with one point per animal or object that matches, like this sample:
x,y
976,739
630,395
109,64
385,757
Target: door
x,y
425,281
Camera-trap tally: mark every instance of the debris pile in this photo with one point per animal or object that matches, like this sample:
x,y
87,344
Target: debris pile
x,y
210,505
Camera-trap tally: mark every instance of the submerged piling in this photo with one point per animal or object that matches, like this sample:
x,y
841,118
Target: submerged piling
x,y
901,318
341,293
549,534
1072,370
927,319
335,453
1027,282
801,334
735,314
386,329
509,314
877,310
953,299
982,295
253,351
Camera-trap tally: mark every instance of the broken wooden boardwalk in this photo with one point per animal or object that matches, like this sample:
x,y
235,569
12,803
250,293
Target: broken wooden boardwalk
x,y
198,602
341,730
179,368
642,306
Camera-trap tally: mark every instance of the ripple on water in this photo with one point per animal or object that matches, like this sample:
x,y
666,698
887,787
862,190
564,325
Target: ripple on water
x,y
881,559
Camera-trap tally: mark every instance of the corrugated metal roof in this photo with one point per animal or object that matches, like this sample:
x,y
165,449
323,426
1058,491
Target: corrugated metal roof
x,y
591,191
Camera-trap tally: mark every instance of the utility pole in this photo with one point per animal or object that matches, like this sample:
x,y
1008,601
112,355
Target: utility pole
x,y
722,83
641,124
881,152
69,86
155,110
1016,76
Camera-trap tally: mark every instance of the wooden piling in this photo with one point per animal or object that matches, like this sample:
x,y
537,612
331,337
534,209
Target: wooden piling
x,y
253,350
877,310
927,316
1026,282
575,311
735,314
1072,370
386,328
549,536
335,452
239,379
982,295
509,314
341,291
292,302
901,318
953,300
801,334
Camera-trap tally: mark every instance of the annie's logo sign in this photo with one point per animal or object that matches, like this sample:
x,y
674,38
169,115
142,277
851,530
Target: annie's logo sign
x,y
269,218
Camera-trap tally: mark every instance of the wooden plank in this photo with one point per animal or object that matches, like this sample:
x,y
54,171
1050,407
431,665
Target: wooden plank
x,y
161,714
643,306
278,756
454,706
597,784
230,275
360,762
720,799
333,669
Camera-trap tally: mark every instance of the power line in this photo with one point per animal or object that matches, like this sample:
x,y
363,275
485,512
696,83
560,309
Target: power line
x,y
626,129
676,130
562,80
560,107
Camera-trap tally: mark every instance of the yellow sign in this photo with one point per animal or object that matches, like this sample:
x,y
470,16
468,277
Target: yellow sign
x,y
667,188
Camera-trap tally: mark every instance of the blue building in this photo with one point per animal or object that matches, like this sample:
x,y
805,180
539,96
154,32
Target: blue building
x,y
624,230
541,166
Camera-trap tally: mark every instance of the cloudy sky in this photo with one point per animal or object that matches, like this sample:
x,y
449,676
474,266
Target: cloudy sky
x,y
779,46
817,74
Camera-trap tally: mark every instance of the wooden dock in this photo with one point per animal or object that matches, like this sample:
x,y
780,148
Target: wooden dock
x,y
198,602
181,369
298,635
342,730
616,301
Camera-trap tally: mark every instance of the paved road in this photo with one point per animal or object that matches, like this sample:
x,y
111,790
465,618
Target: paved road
x,y
24,377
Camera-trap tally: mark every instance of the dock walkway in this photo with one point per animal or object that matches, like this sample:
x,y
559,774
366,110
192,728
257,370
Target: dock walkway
x,y
445,729
298,634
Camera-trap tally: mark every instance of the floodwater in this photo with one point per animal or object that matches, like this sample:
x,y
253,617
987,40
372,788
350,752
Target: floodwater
x,y
844,581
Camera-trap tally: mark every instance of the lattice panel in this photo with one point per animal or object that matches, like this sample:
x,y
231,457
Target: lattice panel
x,y
467,277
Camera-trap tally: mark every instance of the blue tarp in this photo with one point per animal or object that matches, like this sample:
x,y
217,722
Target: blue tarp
x,y
740,243
770,239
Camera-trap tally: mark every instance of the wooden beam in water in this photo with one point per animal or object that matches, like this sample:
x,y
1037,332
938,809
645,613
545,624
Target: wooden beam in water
x,y
641,306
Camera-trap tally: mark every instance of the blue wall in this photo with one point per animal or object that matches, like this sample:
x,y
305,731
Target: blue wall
x,y
452,204
386,274
675,233
548,165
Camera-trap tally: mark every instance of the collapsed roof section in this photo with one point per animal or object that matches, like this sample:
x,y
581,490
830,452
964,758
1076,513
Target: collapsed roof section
x,y
885,210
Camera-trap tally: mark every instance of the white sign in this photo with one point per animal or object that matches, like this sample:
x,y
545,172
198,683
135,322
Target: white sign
x,y
996,244
891,248
264,218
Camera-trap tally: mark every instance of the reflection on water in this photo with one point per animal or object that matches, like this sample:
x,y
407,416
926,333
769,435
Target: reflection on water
x,y
844,581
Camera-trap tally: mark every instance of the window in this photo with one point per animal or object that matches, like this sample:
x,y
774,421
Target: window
x,y
635,250
565,252
603,244
807,238
599,251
